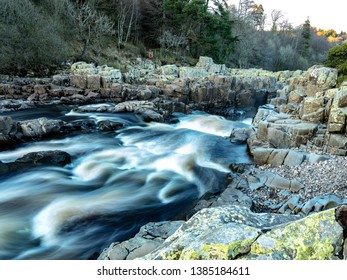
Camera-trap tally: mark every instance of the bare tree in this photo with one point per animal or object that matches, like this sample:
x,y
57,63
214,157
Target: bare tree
x,y
276,15
169,40
89,22
126,20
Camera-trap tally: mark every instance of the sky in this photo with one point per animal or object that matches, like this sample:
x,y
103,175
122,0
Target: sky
x,y
327,14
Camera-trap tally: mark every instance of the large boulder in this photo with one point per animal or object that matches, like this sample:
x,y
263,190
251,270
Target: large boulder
x,y
38,128
237,233
218,233
316,237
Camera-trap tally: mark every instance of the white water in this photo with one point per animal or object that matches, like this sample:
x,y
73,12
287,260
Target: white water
x,y
116,183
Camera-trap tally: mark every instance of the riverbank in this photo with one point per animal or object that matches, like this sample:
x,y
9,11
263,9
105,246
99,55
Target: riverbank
x,y
297,142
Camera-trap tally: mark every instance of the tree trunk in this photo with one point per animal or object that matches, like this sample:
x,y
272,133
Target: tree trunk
x,y
85,48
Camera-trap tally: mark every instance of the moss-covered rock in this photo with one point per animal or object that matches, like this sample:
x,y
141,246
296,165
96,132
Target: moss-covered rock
x,y
316,237
218,233
237,233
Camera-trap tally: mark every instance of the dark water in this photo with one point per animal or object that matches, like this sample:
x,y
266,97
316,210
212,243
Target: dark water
x,y
117,182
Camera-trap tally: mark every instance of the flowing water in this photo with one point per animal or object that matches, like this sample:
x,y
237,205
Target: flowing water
x,y
117,181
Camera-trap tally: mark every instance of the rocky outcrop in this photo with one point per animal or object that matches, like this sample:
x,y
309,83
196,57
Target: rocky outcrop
x,y
150,237
307,113
206,86
12,132
34,159
37,128
237,233
278,157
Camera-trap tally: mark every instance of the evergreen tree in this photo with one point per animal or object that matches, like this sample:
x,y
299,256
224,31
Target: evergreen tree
x,y
208,32
305,39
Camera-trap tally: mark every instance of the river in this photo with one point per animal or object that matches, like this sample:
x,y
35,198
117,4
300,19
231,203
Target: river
x,y
117,181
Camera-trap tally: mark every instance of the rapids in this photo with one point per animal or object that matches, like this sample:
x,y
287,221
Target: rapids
x,y
117,182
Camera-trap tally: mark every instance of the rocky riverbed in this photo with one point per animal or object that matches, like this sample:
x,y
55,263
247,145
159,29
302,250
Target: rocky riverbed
x,y
289,203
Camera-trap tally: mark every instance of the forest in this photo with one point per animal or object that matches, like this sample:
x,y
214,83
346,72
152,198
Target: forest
x,y
38,36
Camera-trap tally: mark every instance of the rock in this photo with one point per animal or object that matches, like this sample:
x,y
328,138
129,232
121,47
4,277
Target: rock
x,y
320,79
338,141
240,135
316,237
294,158
337,121
88,76
38,128
341,216
78,80
218,233
84,68
233,196
314,158
147,111
342,99
320,203
276,181
313,109
6,126
280,130
292,204
150,237
144,94
192,73
278,157
296,97
31,160
261,155
93,82
108,125
169,70
57,158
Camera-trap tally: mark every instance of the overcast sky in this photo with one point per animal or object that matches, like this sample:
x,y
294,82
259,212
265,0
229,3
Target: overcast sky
x,y
329,14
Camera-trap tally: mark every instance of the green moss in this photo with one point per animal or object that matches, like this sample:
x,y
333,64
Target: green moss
x,y
193,256
173,255
302,240
215,251
257,249
319,251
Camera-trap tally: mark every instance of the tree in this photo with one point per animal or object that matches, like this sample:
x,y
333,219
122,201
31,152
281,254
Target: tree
x,y
258,16
305,39
209,32
90,24
337,58
151,21
126,19
30,40
276,15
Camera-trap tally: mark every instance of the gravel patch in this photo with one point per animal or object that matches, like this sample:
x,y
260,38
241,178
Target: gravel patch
x,y
322,178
